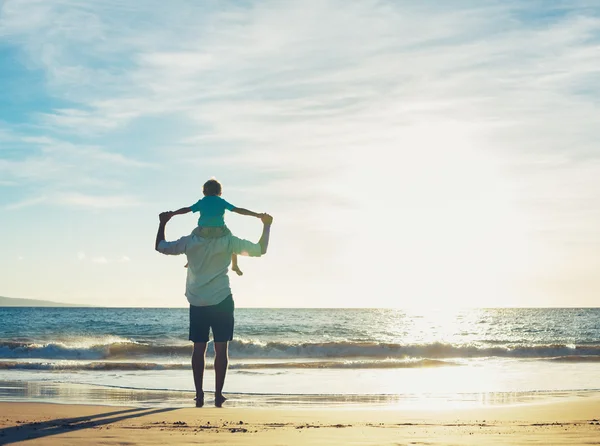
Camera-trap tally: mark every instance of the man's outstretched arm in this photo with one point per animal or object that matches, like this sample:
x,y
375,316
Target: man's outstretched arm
x,y
164,217
266,233
173,248
253,249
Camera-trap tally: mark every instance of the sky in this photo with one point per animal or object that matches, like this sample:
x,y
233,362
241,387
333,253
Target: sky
x,y
412,153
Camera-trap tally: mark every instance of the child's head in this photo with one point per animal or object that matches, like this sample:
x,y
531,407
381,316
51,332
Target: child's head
x,y
212,187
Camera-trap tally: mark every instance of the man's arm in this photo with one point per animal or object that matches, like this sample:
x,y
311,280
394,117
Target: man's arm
x,y
173,248
266,233
248,248
243,211
163,218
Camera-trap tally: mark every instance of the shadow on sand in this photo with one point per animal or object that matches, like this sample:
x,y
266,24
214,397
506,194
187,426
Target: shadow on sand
x,y
32,431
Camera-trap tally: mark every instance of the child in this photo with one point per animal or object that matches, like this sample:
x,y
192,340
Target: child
x,y
211,223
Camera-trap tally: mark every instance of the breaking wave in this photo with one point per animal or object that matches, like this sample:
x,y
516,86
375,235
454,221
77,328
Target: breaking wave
x,y
127,349
126,366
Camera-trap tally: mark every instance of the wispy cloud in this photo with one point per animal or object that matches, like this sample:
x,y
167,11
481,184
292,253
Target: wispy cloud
x,y
273,76
280,84
96,201
100,260
82,154
25,203
51,168
79,200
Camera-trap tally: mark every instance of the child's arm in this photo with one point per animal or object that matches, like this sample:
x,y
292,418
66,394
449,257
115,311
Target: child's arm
x,y
182,211
243,211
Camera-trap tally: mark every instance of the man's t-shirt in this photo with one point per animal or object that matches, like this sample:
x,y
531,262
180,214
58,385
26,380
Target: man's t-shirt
x,y
208,261
212,210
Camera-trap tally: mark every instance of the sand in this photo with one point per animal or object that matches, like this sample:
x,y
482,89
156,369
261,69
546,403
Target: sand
x,y
564,421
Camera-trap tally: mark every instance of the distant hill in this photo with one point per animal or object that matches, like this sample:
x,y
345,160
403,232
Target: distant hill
x,y
14,302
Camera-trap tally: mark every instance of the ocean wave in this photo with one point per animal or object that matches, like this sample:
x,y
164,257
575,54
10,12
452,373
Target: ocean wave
x,y
435,350
89,350
373,364
90,366
575,358
127,349
141,366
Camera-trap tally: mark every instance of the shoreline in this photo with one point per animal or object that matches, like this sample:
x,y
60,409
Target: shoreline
x,y
561,422
66,393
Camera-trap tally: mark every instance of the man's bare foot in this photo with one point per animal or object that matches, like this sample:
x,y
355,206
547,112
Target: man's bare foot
x,y
199,399
237,270
219,400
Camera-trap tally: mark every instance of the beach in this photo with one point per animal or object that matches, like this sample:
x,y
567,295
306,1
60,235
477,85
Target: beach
x,y
303,376
342,355
574,421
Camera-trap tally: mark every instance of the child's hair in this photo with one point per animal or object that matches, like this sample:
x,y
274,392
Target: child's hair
x,y
212,187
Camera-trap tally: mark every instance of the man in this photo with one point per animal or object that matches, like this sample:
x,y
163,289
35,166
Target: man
x,y
209,294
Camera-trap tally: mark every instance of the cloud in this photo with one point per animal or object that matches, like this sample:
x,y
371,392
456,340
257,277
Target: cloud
x,y
48,169
82,153
79,201
101,260
277,84
77,121
295,81
96,201
25,203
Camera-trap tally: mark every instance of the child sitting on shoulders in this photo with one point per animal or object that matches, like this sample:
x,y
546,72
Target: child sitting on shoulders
x,y
211,223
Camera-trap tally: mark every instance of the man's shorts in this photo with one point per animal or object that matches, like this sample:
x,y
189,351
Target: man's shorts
x,y
218,317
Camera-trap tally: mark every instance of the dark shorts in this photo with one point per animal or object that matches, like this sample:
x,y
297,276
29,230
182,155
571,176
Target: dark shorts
x,y
218,317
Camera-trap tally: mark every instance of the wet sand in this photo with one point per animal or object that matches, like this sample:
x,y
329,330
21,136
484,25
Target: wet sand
x,y
569,421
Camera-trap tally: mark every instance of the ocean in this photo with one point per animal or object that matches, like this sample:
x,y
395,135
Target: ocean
x,y
381,358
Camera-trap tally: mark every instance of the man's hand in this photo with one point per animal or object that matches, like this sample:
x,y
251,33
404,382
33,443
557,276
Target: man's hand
x,y
165,216
266,219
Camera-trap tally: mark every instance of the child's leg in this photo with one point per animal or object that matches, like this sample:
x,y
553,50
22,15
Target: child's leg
x,y
234,265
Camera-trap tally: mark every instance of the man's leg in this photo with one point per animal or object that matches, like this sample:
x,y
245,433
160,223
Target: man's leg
x,y
198,357
221,363
222,326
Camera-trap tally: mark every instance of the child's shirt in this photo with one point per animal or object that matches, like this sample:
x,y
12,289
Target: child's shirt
x,y
212,210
